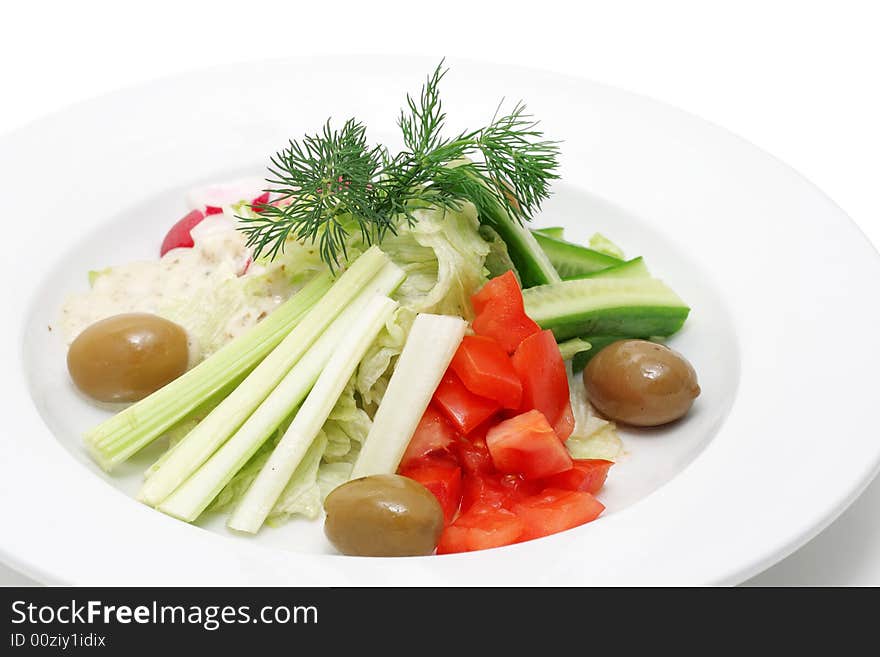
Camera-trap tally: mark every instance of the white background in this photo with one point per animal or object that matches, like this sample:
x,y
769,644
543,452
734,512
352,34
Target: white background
x,y
798,79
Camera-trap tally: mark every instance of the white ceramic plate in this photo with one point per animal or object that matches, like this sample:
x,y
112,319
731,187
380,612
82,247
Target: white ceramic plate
x,y
782,285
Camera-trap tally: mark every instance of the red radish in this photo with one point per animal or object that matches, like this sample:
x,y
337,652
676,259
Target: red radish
x,y
179,235
258,203
245,267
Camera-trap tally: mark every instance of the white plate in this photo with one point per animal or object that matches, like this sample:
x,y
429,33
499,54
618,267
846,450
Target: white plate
x,y
782,286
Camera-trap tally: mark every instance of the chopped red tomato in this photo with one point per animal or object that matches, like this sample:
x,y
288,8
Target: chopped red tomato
x,y
433,434
540,367
473,455
480,528
486,370
443,478
496,489
212,209
555,510
586,475
527,445
500,313
484,489
179,235
465,409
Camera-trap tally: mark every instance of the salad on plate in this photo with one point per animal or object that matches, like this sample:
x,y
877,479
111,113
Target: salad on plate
x,y
382,338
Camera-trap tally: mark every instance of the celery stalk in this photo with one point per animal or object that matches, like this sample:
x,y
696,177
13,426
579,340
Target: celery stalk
x,y
270,482
200,443
116,439
189,500
429,348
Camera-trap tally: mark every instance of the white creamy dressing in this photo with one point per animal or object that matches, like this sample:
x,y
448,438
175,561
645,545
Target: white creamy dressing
x,y
185,286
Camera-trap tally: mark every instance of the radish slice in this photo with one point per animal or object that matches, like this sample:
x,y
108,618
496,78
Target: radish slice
x,y
227,193
247,265
258,203
179,235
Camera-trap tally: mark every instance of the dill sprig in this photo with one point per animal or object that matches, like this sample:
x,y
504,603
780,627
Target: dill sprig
x,y
333,183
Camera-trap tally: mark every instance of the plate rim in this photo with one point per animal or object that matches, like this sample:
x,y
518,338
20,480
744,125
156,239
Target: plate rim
x,y
735,576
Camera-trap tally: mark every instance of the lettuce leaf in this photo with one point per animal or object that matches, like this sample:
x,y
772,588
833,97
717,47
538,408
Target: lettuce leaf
x,y
443,256
593,437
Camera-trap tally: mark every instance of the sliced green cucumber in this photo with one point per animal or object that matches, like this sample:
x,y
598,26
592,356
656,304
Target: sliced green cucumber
x,y
573,260
625,307
532,264
597,343
557,232
634,268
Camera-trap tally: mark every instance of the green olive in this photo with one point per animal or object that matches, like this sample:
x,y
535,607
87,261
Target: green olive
x,y
640,383
126,357
383,516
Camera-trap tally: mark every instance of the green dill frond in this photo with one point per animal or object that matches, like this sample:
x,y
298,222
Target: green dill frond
x,y
330,183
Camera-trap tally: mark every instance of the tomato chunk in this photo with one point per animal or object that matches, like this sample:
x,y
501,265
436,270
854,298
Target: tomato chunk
x,y
586,475
486,370
466,410
496,489
433,434
540,367
212,209
527,445
500,313
480,528
555,510
179,235
473,455
443,478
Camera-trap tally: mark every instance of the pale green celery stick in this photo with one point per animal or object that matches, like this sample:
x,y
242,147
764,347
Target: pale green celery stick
x,y
429,348
116,439
270,482
195,494
569,348
228,416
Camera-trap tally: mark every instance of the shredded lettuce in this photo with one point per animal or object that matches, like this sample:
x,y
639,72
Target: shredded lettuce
x,y
593,437
375,369
498,260
346,427
302,495
443,256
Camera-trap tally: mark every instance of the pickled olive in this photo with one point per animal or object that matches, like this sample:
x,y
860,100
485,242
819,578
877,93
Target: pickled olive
x,y
383,516
126,357
640,383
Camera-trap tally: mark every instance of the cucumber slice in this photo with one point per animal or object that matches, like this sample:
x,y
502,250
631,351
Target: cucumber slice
x,y
532,263
634,268
557,232
626,307
573,260
597,343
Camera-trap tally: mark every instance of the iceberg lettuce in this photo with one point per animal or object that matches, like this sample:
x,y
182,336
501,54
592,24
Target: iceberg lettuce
x,y
593,437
